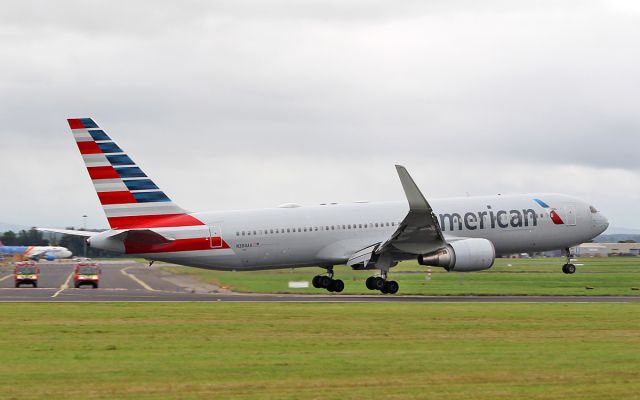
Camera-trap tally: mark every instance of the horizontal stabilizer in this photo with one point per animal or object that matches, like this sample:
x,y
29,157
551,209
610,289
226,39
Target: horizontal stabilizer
x,y
69,232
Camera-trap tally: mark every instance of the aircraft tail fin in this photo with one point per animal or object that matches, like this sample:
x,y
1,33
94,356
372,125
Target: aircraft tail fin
x,y
130,199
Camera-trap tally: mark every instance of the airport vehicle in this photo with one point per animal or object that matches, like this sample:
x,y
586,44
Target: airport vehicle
x,y
26,272
49,253
85,273
458,234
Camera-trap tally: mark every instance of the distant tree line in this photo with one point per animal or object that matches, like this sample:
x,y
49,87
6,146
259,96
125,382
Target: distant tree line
x,y
34,237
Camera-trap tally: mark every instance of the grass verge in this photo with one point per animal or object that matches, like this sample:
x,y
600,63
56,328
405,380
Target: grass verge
x,y
319,351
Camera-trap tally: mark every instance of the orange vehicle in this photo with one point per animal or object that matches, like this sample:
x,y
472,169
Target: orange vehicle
x,y
26,272
86,274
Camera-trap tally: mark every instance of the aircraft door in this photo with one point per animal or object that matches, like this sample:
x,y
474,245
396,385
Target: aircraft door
x,y
215,236
570,214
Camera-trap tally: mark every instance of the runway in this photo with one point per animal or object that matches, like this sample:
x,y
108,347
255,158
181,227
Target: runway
x,y
133,282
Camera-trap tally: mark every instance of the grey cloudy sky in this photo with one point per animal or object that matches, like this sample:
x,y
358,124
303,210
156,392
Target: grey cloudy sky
x,y
245,104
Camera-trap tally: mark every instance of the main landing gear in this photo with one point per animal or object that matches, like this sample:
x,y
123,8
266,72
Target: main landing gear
x,y
327,282
568,268
382,284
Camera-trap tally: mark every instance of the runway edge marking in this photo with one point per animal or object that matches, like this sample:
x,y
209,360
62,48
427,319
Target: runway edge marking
x,y
64,286
136,279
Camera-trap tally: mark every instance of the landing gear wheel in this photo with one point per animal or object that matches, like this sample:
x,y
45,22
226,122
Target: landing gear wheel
x,y
378,283
371,283
391,287
316,282
324,281
336,285
571,269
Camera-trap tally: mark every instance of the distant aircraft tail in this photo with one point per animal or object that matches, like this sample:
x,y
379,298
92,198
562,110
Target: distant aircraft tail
x,y
129,198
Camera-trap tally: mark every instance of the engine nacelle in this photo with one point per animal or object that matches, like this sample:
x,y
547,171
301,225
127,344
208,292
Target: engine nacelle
x,y
464,255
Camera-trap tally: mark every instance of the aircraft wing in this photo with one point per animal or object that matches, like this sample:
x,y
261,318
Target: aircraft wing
x,y
418,233
69,232
363,256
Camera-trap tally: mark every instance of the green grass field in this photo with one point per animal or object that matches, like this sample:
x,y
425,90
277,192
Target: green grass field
x,y
319,351
541,276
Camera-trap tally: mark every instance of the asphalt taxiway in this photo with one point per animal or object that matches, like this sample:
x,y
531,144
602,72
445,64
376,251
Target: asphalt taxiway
x,y
129,281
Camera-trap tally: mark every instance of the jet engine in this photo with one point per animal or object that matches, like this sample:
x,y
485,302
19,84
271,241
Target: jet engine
x,y
464,255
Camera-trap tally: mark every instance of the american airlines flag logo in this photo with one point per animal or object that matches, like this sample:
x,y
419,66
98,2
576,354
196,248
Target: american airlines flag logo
x,y
552,212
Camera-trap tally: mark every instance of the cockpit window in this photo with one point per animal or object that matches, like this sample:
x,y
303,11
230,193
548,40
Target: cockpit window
x,y
593,210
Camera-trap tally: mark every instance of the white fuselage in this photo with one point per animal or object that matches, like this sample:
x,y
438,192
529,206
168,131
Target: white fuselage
x,y
326,235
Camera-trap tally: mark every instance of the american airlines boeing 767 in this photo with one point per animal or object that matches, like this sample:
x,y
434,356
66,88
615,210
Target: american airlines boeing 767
x,y
458,234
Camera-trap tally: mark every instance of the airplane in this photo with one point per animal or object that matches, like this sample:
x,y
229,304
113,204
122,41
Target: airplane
x,y
49,253
457,234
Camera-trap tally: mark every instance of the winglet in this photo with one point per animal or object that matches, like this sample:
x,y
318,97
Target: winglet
x,y
417,201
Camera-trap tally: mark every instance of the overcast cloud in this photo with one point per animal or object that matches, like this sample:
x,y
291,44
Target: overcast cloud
x,y
243,104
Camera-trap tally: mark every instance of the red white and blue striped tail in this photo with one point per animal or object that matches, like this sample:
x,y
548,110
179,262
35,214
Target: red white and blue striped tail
x,y
129,198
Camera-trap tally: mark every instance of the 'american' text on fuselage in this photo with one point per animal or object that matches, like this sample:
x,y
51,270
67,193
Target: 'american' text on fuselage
x,y
478,220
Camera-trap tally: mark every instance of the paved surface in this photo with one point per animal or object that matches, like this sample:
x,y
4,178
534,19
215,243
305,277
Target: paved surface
x,y
127,281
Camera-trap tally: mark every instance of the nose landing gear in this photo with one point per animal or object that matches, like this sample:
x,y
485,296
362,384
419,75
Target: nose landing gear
x,y
569,268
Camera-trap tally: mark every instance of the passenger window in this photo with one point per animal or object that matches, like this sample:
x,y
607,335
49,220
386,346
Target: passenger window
x,y
254,233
